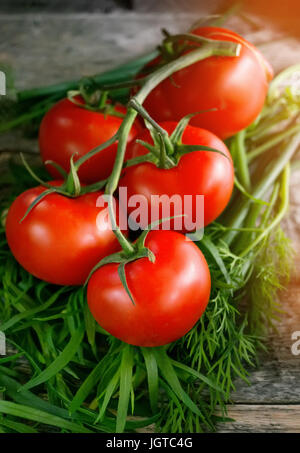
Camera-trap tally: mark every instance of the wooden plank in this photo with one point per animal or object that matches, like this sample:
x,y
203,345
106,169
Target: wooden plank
x,y
45,6
48,48
178,6
262,419
256,418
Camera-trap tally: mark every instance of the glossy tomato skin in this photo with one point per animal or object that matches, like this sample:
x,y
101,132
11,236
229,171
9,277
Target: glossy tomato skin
x,y
69,129
59,241
235,86
197,173
167,305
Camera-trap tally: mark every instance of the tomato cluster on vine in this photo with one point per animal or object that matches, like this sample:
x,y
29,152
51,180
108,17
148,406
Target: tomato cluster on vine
x,y
152,291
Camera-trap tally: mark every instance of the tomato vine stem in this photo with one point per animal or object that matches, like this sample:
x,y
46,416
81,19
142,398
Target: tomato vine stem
x,y
214,48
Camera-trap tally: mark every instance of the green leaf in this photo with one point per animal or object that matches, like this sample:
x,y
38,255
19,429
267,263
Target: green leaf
x,y
197,375
90,382
135,424
173,397
214,252
125,387
31,312
168,372
152,376
27,398
16,426
90,325
11,358
29,413
59,363
109,393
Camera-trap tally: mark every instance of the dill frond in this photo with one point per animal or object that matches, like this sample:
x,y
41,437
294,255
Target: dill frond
x,y
271,274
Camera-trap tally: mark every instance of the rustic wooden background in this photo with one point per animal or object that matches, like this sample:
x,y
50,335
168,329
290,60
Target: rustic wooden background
x,y
47,43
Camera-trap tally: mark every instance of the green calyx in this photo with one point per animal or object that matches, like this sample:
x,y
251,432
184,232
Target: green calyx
x,y
71,186
167,150
139,251
173,46
95,98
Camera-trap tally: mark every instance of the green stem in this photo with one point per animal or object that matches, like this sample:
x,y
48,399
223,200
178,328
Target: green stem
x,y
166,147
122,85
241,163
268,212
244,238
187,37
284,196
163,155
103,99
273,170
217,48
144,114
113,180
265,126
272,142
277,83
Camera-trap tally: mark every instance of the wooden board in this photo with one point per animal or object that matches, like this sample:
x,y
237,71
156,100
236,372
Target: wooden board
x,y
48,48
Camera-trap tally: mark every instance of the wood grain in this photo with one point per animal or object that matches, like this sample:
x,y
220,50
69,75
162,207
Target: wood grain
x,y
263,419
45,6
51,48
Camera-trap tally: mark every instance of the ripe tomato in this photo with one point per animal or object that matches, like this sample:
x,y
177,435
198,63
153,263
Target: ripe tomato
x,y
167,305
68,128
59,241
235,86
204,173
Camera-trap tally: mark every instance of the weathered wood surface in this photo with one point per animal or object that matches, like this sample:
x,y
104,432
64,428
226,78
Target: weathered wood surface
x,y
51,48
263,419
32,6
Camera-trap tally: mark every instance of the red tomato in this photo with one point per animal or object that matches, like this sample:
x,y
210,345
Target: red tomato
x,y
204,173
167,305
59,240
235,86
68,128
